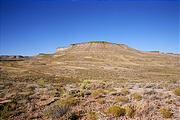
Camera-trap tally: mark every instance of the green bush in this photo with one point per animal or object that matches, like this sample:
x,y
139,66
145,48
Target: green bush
x,y
176,92
136,96
116,110
97,92
165,112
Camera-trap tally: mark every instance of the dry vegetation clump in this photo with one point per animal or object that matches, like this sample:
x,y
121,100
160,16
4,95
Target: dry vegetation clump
x,y
173,81
41,82
125,91
29,91
69,101
91,115
121,99
136,96
166,113
177,91
84,84
130,111
56,111
111,89
97,92
116,110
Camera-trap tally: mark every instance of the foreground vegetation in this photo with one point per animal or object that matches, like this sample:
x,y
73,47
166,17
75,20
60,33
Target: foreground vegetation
x,y
95,100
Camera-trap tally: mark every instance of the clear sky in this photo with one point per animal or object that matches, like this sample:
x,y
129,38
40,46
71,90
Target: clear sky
x,y
30,28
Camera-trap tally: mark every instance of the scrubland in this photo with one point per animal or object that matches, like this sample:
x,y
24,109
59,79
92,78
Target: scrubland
x,y
72,85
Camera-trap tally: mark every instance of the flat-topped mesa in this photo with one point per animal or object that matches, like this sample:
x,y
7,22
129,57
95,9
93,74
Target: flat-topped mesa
x,y
93,44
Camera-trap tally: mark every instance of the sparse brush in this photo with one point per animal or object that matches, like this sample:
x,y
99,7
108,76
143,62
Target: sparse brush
x,y
60,111
41,81
53,93
125,91
121,99
92,115
55,110
166,113
29,91
136,96
69,101
129,111
173,81
84,84
160,94
176,92
97,92
110,89
116,110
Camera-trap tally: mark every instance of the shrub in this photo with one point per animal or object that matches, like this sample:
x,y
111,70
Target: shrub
x,y
53,93
110,89
165,112
41,82
61,90
60,111
116,110
121,99
136,96
125,91
176,92
129,111
92,115
55,110
97,92
29,91
173,81
84,84
69,101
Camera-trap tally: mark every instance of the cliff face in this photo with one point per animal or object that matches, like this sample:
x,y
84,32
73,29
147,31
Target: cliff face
x,y
61,49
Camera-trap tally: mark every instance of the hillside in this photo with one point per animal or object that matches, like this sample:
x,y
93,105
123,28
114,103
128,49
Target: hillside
x,y
104,61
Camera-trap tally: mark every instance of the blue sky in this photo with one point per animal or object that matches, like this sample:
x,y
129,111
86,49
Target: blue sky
x,y
30,28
